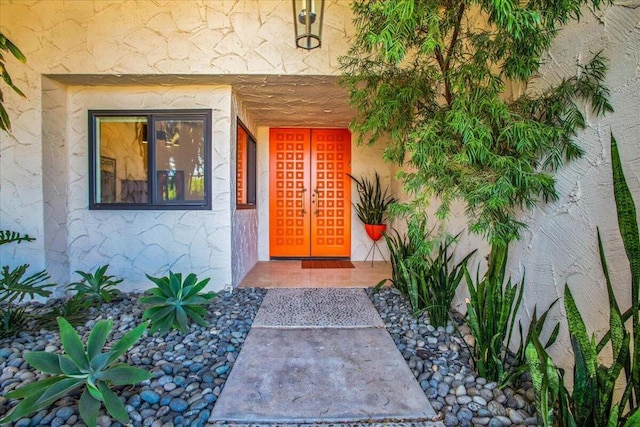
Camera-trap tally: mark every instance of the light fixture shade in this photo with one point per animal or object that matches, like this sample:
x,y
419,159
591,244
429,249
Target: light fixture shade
x,y
307,17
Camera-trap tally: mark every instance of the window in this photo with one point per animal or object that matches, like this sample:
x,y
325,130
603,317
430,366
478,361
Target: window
x,y
246,169
150,159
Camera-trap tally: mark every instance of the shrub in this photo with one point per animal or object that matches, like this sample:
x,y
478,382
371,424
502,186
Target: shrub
x,y
92,368
98,287
429,280
173,302
15,287
73,309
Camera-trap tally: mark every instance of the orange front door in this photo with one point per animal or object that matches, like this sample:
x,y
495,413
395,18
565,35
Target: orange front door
x,y
309,209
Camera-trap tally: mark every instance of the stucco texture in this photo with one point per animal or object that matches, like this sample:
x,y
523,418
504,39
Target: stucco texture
x,y
135,54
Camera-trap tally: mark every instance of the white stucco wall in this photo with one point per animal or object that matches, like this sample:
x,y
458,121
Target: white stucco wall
x,y
43,166
560,246
151,242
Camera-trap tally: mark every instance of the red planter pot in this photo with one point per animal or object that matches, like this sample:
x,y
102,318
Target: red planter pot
x,y
375,231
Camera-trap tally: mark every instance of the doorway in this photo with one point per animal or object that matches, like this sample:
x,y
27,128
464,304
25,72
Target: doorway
x,y
309,193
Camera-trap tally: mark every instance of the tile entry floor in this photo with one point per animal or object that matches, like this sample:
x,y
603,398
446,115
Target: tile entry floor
x,y
290,274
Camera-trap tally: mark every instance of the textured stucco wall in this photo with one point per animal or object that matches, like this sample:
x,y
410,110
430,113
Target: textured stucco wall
x,y
43,163
244,227
151,242
560,246
55,179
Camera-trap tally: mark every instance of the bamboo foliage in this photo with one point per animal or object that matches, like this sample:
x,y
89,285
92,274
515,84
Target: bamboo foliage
x,y
428,78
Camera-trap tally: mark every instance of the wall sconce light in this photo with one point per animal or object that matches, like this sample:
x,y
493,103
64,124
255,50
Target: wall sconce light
x,y
308,16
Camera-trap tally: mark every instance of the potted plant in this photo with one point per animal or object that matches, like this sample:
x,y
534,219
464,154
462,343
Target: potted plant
x,y
372,205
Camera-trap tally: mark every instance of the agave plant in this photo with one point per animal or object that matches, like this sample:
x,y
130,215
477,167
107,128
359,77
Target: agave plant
x,y
99,287
92,368
173,302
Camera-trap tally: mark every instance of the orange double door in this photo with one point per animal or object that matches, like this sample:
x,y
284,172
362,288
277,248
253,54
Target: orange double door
x,y
309,193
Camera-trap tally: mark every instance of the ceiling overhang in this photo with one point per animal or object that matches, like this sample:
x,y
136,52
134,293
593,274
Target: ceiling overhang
x,y
270,100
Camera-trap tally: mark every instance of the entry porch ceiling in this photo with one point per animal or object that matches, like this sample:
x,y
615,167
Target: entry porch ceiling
x,y
270,100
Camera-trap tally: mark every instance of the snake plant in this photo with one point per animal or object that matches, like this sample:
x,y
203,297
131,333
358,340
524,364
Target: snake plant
x,y
593,400
491,311
92,368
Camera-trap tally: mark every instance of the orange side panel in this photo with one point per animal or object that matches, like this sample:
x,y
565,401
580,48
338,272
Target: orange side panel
x,y
241,174
331,192
289,193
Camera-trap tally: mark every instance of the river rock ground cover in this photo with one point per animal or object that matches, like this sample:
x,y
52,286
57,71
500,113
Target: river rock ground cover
x,y
189,370
440,359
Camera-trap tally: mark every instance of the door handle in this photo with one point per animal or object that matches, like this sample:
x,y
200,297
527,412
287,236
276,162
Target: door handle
x,y
303,212
314,199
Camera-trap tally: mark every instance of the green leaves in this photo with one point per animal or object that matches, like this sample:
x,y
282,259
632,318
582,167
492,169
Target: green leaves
x,y
43,361
73,345
594,388
7,46
491,311
545,379
91,368
428,78
429,280
174,302
14,287
373,202
98,287
8,236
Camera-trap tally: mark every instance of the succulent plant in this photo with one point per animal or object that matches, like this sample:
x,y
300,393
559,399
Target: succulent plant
x,y
99,287
92,368
173,302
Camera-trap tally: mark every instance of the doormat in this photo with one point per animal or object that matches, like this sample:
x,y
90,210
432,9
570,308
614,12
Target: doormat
x,y
312,263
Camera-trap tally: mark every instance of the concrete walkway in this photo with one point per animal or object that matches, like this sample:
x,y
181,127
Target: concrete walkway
x,y
319,356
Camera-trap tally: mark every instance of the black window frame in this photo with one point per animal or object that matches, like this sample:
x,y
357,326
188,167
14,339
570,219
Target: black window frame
x,y
153,202
251,161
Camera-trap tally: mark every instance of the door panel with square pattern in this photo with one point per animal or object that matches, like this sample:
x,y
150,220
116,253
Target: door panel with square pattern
x,y
310,213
